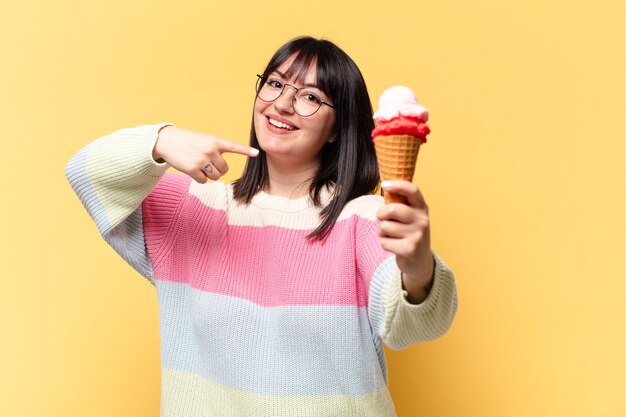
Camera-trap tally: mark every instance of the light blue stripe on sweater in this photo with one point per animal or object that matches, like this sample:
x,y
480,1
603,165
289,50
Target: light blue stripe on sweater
x,y
76,174
380,281
127,238
287,350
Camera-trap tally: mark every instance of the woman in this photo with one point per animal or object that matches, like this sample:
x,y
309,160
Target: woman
x,y
275,293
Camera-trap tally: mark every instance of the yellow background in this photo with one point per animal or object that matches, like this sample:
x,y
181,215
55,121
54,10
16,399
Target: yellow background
x,y
522,172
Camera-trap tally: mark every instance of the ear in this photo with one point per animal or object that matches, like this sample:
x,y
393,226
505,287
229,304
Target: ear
x,y
332,139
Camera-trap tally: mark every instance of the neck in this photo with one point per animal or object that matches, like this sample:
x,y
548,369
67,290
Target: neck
x,y
290,181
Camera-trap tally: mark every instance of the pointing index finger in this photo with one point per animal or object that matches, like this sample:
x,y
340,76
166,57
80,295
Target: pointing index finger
x,y
234,147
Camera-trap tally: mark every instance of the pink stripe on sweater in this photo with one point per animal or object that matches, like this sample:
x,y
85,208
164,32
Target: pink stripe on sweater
x,y
270,266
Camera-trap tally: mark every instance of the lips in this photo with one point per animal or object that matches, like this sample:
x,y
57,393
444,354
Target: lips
x,y
279,124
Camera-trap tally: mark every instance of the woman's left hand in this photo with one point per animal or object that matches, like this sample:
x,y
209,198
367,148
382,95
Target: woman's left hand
x,y
405,231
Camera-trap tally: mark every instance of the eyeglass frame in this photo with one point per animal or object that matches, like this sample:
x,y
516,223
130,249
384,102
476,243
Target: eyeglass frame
x,y
258,90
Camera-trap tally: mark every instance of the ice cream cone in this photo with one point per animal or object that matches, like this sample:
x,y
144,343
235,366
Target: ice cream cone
x,y
400,130
396,155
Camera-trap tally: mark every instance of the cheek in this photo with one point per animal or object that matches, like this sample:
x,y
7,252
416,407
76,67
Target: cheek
x,y
257,107
322,127
260,106
329,127
257,116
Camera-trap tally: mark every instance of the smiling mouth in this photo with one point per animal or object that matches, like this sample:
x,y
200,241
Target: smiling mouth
x,y
280,125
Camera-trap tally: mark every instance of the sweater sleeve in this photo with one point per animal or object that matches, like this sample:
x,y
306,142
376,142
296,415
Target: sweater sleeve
x,y
112,176
396,321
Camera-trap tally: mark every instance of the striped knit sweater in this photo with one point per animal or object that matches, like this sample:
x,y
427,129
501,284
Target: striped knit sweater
x,y
256,320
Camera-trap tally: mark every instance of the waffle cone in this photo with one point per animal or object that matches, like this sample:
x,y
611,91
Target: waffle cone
x,y
396,155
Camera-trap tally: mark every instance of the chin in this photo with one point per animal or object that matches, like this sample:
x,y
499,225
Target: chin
x,y
272,145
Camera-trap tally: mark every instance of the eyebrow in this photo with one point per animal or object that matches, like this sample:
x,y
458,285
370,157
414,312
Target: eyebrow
x,y
305,85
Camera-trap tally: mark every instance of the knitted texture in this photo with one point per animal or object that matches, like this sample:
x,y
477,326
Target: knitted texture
x,y
255,319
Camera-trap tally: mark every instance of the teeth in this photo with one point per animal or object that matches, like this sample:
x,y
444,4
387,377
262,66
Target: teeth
x,y
280,124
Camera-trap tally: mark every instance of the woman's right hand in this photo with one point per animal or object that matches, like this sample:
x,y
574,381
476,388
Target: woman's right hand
x,y
190,152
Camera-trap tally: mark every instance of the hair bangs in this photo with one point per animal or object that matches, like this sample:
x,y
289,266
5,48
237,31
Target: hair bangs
x,y
301,64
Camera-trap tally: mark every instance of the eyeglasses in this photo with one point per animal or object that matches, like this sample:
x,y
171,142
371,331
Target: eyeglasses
x,y
305,102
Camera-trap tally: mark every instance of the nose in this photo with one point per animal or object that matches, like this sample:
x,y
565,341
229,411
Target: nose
x,y
286,100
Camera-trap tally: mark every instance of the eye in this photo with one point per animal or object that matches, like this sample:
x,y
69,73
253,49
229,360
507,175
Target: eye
x,y
273,83
310,97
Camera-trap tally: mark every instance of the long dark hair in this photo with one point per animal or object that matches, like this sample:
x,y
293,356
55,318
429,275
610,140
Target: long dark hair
x,y
348,164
